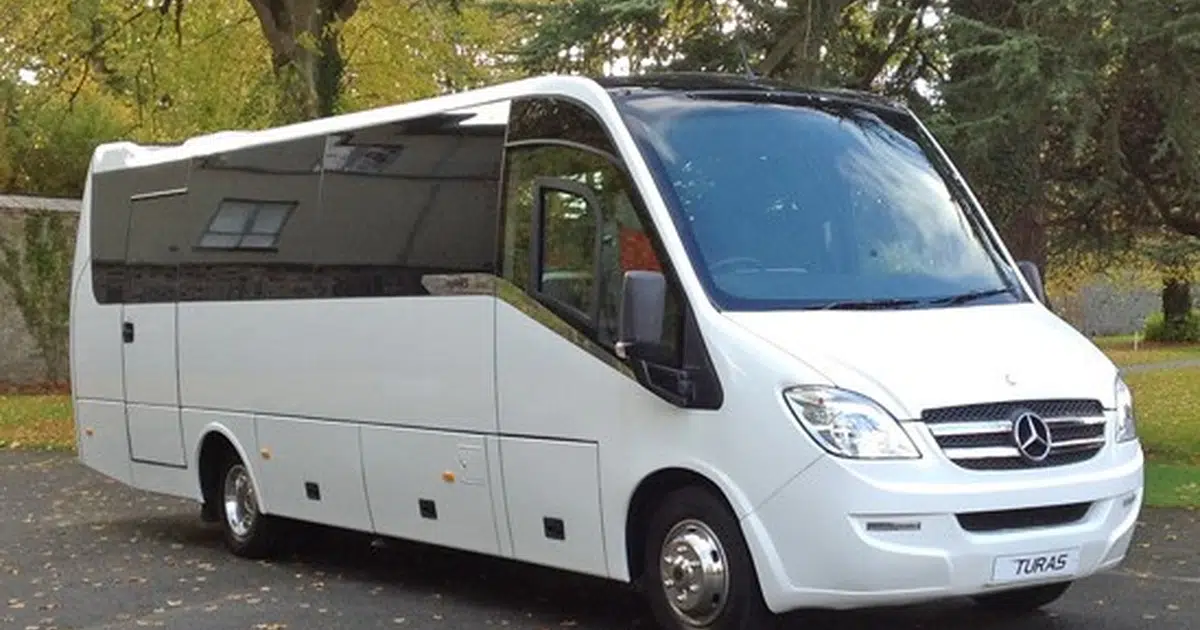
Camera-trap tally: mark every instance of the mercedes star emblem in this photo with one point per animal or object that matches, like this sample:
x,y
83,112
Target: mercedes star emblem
x,y
1032,436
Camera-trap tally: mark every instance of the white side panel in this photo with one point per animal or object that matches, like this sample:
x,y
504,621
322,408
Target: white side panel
x,y
96,346
556,480
415,361
322,453
150,360
748,449
155,435
151,391
404,467
103,440
175,482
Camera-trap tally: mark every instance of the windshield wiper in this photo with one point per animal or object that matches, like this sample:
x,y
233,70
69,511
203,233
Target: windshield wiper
x,y
869,304
968,297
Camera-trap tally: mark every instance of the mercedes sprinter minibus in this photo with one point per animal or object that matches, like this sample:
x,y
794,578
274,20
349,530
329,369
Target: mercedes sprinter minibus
x,y
751,347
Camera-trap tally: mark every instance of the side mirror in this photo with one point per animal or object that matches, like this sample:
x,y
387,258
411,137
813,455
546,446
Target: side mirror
x,y
1034,278
643,305
654,363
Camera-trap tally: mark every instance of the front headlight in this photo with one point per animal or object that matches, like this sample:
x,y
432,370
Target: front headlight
x,y
1126,420
849,425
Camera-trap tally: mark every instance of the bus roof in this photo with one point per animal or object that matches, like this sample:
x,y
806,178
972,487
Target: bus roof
x,y
123,155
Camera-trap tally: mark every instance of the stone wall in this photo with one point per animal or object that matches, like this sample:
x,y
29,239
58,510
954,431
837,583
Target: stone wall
x,y
21,362
1104,307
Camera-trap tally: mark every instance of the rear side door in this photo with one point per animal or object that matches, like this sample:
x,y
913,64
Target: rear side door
x,y
148,323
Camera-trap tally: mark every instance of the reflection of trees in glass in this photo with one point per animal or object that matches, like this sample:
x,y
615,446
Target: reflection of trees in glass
x,y
569,259
569,233
838,189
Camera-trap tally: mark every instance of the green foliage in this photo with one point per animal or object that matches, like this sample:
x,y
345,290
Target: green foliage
x,y
37,271
1089,105
47,143
888,45
1183,330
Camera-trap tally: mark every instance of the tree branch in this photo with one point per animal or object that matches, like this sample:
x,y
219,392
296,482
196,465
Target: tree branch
x,y
780,51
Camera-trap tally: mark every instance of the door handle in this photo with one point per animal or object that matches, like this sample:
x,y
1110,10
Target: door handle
x,y
127,332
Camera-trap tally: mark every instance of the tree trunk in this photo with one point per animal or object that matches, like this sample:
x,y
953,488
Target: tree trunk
x,y
812,24
305,53
1176,302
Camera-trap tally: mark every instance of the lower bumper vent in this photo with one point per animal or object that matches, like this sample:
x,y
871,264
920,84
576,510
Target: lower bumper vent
x,y
1024,518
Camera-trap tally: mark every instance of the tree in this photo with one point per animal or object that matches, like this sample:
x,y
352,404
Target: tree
x,y
1079,117
304,38
885,45
994,117
275,61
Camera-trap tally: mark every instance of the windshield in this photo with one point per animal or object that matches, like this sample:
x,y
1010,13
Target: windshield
x,y
814,204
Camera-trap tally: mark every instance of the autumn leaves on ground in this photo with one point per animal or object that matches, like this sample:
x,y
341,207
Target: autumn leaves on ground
x,y
1167,398
36,417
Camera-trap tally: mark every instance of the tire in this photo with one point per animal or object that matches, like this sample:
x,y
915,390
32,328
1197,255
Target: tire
x,y
1022,600
705,532
247,531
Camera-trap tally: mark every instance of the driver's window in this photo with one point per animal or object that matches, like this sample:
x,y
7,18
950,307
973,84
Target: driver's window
x,y
569,226
591,234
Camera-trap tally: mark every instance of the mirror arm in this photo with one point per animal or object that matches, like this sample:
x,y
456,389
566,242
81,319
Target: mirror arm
x,y
679,387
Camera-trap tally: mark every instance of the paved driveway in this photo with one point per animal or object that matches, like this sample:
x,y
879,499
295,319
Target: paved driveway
x,y
77,551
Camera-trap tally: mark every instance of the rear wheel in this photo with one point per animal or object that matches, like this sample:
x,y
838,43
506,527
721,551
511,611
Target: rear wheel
x,y
1023,600
698,574
248,532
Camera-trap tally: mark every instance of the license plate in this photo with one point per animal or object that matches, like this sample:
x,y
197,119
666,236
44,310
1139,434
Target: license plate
x,y
1035,566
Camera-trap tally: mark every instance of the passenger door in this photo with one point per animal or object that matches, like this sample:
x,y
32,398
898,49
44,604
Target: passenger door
x,y
149,319
572,228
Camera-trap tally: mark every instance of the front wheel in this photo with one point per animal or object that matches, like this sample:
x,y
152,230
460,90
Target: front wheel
x,y
1023,600
698,574
248,532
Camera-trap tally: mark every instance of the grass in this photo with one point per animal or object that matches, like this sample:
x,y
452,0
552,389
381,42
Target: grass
x,y
1168,409
1172,485
38,422
1121,350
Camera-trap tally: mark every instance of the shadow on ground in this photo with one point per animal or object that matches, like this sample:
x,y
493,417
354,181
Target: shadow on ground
x,y
536,593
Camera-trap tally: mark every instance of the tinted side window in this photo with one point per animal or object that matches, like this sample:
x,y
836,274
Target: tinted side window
x,y
569,222
152,261
251,223
572,229
557,119
148,193
405,202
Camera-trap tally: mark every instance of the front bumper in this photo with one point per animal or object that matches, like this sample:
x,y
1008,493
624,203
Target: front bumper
x,y
813,548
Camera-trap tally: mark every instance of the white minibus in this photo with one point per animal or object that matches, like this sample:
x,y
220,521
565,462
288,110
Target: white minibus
x,y
751,347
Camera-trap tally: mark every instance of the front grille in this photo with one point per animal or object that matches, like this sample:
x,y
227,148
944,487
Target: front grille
x,y
981,437
1025,518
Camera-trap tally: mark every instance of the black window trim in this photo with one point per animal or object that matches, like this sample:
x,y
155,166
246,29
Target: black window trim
x,y
589,322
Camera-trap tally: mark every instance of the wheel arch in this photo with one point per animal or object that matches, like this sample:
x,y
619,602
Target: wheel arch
x,y
652,488
214,440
